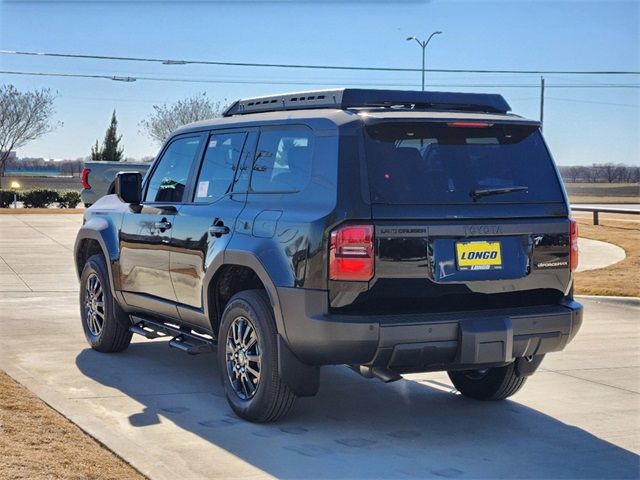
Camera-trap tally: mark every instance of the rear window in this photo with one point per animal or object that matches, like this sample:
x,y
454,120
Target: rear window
x,y
438,163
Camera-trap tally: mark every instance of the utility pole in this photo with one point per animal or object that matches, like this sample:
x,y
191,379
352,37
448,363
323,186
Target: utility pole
x,y
541,101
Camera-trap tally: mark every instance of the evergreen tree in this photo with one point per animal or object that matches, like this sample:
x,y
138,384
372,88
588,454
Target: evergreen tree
x,y
96,153
111,149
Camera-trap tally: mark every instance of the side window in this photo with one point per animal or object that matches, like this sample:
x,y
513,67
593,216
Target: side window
x,y
219,166
169,179
282,161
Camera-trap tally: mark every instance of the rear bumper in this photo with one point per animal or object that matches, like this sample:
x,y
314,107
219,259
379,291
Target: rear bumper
x,y
423,342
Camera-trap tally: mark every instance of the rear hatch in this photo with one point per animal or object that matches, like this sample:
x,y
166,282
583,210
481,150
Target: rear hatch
x,y
466,214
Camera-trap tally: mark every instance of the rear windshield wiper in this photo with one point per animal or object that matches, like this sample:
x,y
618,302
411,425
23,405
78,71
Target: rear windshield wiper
x,y
484,192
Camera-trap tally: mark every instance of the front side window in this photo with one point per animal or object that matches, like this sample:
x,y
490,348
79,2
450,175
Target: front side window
x,y
169,179
283,160
219,166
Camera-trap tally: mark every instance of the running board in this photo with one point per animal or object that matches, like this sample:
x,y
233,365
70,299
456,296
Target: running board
x,y
184,339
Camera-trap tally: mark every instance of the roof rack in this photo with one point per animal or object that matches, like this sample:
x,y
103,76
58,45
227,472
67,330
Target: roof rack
x,y
345,98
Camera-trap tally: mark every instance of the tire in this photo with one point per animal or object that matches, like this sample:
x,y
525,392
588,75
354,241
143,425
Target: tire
x,y
265,398
105,324
495,383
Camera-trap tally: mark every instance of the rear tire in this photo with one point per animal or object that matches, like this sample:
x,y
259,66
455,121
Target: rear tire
x,y
495,383
247,343
105,324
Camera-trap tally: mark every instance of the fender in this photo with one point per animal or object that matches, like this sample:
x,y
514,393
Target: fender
x,y
303,379
102,230
249,260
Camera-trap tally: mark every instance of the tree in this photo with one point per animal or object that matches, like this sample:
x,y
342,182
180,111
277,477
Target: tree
x,y
111,150
606,171
24,116
96,153
168,117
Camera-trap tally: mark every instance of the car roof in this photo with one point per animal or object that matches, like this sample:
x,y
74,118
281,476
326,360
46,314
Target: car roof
x,y
323,118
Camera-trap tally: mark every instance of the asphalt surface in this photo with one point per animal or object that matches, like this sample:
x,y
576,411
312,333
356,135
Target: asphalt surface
x,y
620,206
164,412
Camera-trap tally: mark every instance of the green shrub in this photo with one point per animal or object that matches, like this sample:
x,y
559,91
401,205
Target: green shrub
x,y
39,198
68,199
6,198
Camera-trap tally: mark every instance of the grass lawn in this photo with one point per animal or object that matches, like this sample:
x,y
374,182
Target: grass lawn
x,y
38,442
622,278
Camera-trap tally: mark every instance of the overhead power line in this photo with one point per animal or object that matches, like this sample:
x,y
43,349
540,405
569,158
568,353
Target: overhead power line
x,y
296,82
315,67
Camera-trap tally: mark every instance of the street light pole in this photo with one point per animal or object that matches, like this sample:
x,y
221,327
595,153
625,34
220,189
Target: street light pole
x,y
424,49
423,45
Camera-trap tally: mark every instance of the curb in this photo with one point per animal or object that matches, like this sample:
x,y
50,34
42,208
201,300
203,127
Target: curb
x,y
127,450
622,301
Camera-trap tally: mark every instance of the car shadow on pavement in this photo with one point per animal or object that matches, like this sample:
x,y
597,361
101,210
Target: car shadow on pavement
x,y
354,427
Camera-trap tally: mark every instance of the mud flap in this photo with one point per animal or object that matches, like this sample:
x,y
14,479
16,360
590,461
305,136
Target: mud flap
x,y
302,379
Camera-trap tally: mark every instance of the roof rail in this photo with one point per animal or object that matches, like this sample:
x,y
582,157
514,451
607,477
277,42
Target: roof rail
x,y
344,98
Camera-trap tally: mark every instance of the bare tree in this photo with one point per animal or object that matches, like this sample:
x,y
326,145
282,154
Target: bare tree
x,y
167,117
570,174
24,116
606,171
601,172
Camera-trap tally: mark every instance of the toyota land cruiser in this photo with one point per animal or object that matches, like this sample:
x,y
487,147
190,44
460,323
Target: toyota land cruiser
x,y
391,231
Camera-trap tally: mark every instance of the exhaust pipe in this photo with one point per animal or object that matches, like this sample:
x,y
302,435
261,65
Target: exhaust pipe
x,y
381,373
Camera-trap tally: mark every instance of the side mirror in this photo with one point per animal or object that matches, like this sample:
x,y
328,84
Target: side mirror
x,y
128,187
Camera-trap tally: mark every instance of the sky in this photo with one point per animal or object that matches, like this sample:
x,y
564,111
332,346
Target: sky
x,y
582,125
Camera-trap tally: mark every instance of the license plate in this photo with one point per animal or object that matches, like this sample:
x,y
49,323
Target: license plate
x,y
479,255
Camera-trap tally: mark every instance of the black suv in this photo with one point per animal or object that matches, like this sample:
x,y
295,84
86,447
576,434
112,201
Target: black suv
x,y
391,231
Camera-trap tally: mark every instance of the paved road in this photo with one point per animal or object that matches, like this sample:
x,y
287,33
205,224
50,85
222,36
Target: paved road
x,y
164,411
622,206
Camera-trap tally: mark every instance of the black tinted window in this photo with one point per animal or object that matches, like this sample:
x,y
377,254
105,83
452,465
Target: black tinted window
x,y
170,177
219,166
282,161
435,163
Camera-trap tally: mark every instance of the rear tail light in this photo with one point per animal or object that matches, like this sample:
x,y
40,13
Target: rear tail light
x,y
573,245
84,177
351,253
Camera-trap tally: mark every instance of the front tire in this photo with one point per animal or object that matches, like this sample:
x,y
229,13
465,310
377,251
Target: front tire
x,y
248,359
105,324
495,383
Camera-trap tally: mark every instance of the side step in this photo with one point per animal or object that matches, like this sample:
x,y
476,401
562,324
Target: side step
x,y
184,339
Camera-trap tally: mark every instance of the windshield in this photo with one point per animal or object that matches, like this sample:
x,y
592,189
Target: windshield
x,y
461,162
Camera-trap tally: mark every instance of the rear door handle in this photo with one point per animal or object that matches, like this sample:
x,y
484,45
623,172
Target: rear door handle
x,y
163,224
219,230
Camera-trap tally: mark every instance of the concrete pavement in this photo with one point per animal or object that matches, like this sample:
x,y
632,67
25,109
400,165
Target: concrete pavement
x,y
595,254
164,411
36,253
